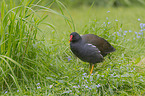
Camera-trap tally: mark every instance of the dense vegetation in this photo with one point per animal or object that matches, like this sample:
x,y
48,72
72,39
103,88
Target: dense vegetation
x,y
35,58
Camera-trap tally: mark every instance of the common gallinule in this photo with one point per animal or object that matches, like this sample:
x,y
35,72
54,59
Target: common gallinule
x,y
90,48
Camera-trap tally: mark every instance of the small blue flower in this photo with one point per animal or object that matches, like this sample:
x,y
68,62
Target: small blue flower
x,y
108,11
130,31
83,85
98,85
39,87
75,87
84,73
90,88
142,80
86,86
135,32
143,25
116,20
118,34
68,58
109,22
38,84
83,78
125,31
138,19
6,92
17,90
138,36
140,77
86,81
141,33
120,30
50,86
68,91
79,86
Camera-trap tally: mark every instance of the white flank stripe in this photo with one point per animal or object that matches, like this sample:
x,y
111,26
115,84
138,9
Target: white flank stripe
x,y
89,44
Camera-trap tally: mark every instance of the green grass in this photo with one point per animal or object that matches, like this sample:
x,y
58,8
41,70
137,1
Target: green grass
x,y
39,65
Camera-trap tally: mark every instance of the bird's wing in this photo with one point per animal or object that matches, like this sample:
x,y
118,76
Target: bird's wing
x,y
92,48
93,54
103,45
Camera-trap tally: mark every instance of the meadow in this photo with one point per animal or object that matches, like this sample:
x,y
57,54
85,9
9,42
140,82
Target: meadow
x,y
35,58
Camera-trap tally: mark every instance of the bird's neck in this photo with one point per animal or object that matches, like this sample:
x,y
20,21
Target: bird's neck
x,y
77,40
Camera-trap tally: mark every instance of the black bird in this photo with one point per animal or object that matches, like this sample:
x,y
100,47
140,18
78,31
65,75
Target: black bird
x,y
90,48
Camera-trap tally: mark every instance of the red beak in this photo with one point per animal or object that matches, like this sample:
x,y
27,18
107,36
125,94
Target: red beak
x,y
70,38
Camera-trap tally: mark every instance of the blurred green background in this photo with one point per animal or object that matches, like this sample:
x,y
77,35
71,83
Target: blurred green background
x,y
104,3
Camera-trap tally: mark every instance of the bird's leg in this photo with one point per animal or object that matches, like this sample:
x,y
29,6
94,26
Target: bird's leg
x,y
92,69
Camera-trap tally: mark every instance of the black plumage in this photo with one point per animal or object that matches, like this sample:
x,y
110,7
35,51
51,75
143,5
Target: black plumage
x,y
90,48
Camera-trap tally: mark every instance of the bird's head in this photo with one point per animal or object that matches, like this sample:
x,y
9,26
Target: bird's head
x,y
74,36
